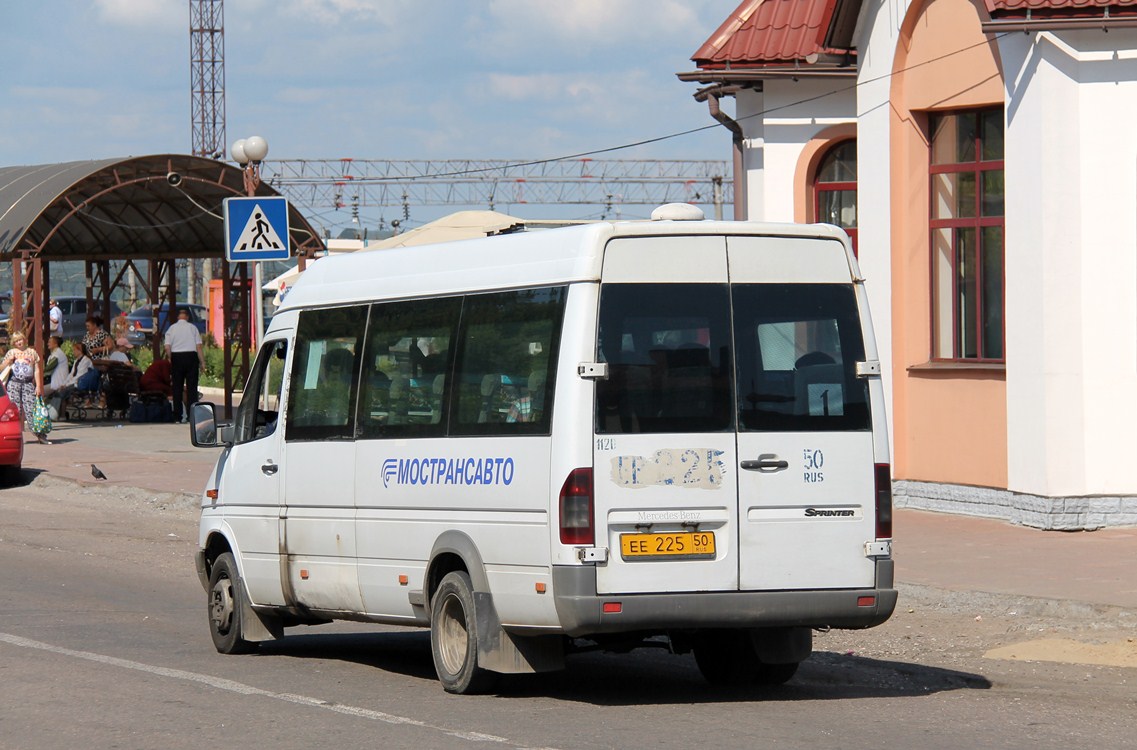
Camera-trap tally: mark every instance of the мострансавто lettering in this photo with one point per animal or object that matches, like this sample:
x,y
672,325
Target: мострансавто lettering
x,y
435,471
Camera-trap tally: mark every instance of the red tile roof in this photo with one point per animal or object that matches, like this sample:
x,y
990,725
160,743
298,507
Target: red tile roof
x,y
768,32
772,33
1062,7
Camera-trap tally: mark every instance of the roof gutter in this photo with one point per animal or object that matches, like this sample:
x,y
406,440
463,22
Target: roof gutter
x,y
754,74
1027,25
736,138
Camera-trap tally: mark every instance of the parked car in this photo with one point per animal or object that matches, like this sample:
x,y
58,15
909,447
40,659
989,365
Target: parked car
x,y
75,314
140,323
11,438
5,302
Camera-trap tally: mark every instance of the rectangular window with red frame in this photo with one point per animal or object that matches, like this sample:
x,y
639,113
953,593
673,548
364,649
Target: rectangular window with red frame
x,y
967,238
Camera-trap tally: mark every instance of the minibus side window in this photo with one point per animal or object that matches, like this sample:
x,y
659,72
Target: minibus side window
x,y
258,414
325,368
798,345
405,365
668,352
506,368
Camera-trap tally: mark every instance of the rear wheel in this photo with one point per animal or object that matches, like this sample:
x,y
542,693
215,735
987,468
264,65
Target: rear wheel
x,y
454,636
730,659
224,608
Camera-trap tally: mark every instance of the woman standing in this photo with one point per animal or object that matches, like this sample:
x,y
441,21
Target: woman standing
x,y
26,380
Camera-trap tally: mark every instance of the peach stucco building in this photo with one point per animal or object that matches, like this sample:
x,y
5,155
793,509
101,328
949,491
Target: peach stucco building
x,y
976,151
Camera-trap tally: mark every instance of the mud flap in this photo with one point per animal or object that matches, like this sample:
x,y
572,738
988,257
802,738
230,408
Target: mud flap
x,y
500,651
256,627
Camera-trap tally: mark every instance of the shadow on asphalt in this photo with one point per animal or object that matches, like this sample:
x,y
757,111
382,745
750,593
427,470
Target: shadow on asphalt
x,y
22,478
644,676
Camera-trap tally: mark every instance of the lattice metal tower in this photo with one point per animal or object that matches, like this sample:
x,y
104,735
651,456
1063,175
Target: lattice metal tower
x,y
207,77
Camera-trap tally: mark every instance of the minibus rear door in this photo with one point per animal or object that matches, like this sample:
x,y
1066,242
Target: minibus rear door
x,y
805,441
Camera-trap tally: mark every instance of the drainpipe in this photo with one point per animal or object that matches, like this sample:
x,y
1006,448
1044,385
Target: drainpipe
x,y
736,136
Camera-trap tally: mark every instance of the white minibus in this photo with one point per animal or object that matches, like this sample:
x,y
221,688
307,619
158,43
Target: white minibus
x,y
596,436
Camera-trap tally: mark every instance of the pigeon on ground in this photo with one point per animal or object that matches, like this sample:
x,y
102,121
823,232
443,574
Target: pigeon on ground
x,y
97,473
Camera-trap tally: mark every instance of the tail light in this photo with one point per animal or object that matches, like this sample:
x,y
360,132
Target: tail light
x,y
576,508
10,413
883,501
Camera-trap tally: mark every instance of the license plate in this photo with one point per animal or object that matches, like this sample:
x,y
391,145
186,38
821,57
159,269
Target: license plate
x,y
679,545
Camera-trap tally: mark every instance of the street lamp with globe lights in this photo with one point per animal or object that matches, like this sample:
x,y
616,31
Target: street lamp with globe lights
x,y
249,153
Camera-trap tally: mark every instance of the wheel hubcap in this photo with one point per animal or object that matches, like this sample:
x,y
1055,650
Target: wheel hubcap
x,y
221,605
453,635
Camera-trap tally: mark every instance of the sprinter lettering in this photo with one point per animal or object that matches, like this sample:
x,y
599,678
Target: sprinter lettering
x,y
467,471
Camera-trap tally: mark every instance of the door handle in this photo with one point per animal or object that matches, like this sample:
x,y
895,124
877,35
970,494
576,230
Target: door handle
x,y
269,468
766,463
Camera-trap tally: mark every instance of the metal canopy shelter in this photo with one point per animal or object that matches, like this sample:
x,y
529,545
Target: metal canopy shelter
x,y
160,208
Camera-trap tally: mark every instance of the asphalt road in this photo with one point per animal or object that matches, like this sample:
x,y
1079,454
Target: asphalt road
x,y
103,644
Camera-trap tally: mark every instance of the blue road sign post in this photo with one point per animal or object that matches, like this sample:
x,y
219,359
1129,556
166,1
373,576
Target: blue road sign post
x,y
256,229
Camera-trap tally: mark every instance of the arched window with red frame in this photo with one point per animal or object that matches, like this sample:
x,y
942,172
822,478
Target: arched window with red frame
x,y
835,188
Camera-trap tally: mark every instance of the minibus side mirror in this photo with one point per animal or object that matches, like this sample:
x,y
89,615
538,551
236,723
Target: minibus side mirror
x,y
205,432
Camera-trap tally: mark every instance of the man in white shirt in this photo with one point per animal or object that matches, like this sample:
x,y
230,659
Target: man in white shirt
x,y
183,348
55,315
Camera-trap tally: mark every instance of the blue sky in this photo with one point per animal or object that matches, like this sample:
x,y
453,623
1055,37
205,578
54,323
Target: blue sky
x,y
378,79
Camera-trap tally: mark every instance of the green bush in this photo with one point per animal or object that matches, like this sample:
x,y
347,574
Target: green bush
x,y
214,375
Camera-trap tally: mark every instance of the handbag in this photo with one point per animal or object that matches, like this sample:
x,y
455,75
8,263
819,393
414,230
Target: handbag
x,y
41,418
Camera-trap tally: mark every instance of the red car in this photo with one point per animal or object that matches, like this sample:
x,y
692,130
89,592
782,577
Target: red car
x,y
11,438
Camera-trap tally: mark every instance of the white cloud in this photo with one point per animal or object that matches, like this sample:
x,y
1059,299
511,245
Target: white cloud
x,y
572,90
144,13
542,86
331,12
591,22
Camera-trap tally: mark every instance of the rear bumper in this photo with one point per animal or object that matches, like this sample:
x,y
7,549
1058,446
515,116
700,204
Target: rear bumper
x,y
580,608
12,449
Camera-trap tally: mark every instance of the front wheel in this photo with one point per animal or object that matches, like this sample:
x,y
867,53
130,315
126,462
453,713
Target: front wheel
x,y
224,608
454,637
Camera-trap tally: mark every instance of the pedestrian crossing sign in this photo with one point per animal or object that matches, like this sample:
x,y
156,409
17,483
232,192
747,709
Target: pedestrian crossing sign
x,y
256,229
